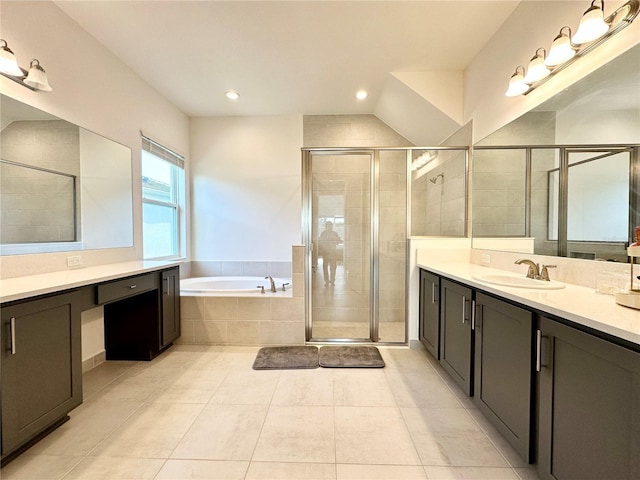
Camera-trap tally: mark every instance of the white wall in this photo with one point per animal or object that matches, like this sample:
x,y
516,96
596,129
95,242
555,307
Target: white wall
x,y
246,187
531,26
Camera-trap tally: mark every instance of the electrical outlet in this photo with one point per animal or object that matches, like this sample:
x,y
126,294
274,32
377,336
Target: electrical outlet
x,y
74,261
486,259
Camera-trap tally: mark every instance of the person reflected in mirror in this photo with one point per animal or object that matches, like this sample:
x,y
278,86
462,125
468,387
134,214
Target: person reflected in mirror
x,y
328,249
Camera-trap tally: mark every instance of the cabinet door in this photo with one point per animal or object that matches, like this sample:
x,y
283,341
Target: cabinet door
x,y
430,312
41,366
589,425
456,348
170,306
503,369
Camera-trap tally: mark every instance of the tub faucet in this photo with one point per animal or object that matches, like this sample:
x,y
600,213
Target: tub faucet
x,y
534,269
273,284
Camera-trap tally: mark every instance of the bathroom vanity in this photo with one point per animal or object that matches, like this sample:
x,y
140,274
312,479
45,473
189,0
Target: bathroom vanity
x,y
557,372
41,337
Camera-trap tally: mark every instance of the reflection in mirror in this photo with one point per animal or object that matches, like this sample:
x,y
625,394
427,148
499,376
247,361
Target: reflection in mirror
x,y
61,187
438,192
561,180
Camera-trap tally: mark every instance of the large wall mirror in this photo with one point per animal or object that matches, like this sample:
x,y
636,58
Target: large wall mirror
x,y
564,179
62,187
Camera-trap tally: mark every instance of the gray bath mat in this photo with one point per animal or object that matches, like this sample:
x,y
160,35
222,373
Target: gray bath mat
x,y
351,357
286,358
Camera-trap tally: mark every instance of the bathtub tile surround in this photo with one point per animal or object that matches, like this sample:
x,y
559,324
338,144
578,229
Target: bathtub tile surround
x,y
272,319
240,269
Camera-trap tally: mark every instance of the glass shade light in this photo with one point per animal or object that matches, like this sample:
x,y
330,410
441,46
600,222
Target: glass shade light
x,y
37,78
232,95
8,62
517,85
537,70
561,50
592,25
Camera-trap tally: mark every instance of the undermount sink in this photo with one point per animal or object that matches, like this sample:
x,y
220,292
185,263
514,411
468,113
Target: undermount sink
x,y
507,280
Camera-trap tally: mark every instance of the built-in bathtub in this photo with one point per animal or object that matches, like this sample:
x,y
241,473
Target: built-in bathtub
x,y
233,286
225,310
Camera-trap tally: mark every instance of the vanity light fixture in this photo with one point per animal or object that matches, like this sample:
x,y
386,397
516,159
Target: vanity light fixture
x,y
593,30
517,85
592,25
34,79
8,62
537,70
232,95
561,49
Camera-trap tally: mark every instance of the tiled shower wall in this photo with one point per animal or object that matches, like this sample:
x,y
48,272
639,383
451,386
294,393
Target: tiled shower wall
x,y
438,209
38,206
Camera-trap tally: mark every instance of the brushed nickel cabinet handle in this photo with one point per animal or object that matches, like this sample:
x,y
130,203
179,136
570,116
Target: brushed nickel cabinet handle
x,y
538,350
13,335
473,314
464,309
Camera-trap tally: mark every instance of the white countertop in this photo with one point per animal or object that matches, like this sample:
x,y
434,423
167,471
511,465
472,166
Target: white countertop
x,y
580,305
30,286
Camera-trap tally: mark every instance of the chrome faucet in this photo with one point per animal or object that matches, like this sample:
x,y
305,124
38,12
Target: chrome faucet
x,y
534,268
273,284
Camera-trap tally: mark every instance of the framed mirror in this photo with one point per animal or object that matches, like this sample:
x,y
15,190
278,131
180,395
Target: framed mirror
x,y
564,178
62,187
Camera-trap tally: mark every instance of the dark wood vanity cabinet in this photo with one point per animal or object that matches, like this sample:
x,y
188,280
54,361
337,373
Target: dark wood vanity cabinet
x,y
139,326
503,372
429,312
456,339
41,366
170,318
589,417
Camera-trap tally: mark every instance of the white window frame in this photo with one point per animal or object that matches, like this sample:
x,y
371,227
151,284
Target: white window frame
x,y
177,194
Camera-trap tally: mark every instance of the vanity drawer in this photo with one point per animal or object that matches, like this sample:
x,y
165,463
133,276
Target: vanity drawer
x,y
109,292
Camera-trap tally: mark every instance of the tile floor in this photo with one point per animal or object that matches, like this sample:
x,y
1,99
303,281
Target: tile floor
x,y
201,412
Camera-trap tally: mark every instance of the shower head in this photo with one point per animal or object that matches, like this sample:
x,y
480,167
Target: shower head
x,y
435,179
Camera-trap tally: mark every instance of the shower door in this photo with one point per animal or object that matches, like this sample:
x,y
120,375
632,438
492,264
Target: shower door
x,y
355,230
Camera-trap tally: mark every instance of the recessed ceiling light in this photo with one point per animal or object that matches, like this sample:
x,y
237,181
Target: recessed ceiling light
x,y
361,95
232,94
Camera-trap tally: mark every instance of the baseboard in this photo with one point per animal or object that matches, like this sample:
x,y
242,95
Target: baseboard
x,y
93,362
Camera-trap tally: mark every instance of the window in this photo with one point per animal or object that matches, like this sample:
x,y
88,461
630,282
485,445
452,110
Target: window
x,y
162,200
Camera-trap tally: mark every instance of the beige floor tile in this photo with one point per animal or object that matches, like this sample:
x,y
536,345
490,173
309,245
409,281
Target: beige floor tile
x,y
361,388
449,436
380,472
297,434
424,389
102,375
223,432
202,470
470,473
304,387
107,468
119,391
39,467
527,473
152,432
373,435
291,471
90,424
247,387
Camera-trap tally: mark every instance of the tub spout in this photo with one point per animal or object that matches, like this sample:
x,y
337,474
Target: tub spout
x,y
273,284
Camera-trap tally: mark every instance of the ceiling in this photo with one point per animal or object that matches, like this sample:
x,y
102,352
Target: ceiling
x,y
303,57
